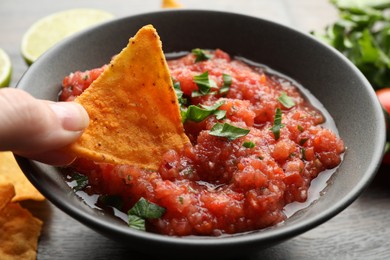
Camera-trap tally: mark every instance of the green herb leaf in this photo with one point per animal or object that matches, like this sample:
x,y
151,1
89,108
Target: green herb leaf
x,y
142,210
303,152
286,101
111,201
277,124
227,82
81,181
204,84
353,4
201,55
145,209
362,34
136,222
198,114
179,92
303,141
219,114
248,144
229,131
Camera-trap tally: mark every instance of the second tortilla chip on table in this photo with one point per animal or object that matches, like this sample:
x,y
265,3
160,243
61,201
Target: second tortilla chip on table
x,y
10,172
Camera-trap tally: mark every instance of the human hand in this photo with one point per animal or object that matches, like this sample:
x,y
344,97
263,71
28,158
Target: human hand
x,y
39,129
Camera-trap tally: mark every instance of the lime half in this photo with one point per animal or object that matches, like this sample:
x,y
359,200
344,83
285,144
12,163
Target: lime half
x,y
5,69
51,29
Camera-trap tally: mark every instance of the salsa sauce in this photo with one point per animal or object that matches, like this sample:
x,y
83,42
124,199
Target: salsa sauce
x,y
222,185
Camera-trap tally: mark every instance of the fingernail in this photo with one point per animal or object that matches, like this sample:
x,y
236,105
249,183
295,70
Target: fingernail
x,y
72,116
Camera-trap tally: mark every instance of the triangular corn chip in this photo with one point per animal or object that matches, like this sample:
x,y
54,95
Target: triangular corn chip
x,y
133,109
19,233
19,229
7,192
10,172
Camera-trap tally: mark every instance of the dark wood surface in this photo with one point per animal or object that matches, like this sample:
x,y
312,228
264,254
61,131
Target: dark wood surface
x,y
362,231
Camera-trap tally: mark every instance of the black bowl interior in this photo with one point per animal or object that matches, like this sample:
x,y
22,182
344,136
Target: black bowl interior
x,y
337,84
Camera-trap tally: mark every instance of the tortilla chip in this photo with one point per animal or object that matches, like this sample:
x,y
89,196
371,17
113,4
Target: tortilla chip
x,y
170,4
133,109
19,233
7,192
11,173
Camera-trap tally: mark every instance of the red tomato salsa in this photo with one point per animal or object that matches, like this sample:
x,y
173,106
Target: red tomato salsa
x,y
223,184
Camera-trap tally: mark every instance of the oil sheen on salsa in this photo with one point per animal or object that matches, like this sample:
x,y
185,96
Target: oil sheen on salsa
x,y
222,183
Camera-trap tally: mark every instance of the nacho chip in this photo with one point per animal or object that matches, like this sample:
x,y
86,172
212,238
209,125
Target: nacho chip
x,y
19,233
7,192
133,109
11,173
170,4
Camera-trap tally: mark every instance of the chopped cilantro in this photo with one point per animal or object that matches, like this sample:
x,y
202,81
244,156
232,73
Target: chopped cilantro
x,y
81,181
277,124
303,141
201,55
229,131
286,101
227,82
248,144
303,152
111,201
204,84
179,92
361,33
199,113
136,222
145,209
142,210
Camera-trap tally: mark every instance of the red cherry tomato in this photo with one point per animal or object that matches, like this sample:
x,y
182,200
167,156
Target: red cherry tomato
x,y
384,98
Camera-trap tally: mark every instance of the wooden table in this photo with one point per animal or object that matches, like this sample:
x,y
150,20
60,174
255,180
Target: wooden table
x,y
362,231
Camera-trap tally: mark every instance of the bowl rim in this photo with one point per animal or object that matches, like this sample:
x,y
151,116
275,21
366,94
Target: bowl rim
x,y
282,232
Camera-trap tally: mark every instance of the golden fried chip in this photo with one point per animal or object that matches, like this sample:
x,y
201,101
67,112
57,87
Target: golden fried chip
x,y
133,109
170,4
7,192
19,233
11,173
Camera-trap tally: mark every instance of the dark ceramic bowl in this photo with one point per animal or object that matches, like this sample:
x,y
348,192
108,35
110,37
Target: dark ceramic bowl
x,y
337,84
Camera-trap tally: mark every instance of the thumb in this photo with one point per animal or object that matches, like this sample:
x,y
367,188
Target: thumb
x,y
32,127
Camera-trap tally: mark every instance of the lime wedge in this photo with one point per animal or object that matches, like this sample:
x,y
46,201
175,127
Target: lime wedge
x,y
51,29
5,69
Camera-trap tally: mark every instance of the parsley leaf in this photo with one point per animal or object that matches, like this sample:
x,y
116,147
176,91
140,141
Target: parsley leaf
x,y
286,100
111,201
204,84
303,152
179,92
201,55
142,210
248,144
81,181
198,114
136,222
277,124
145,209
229,131
362,34
227,82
